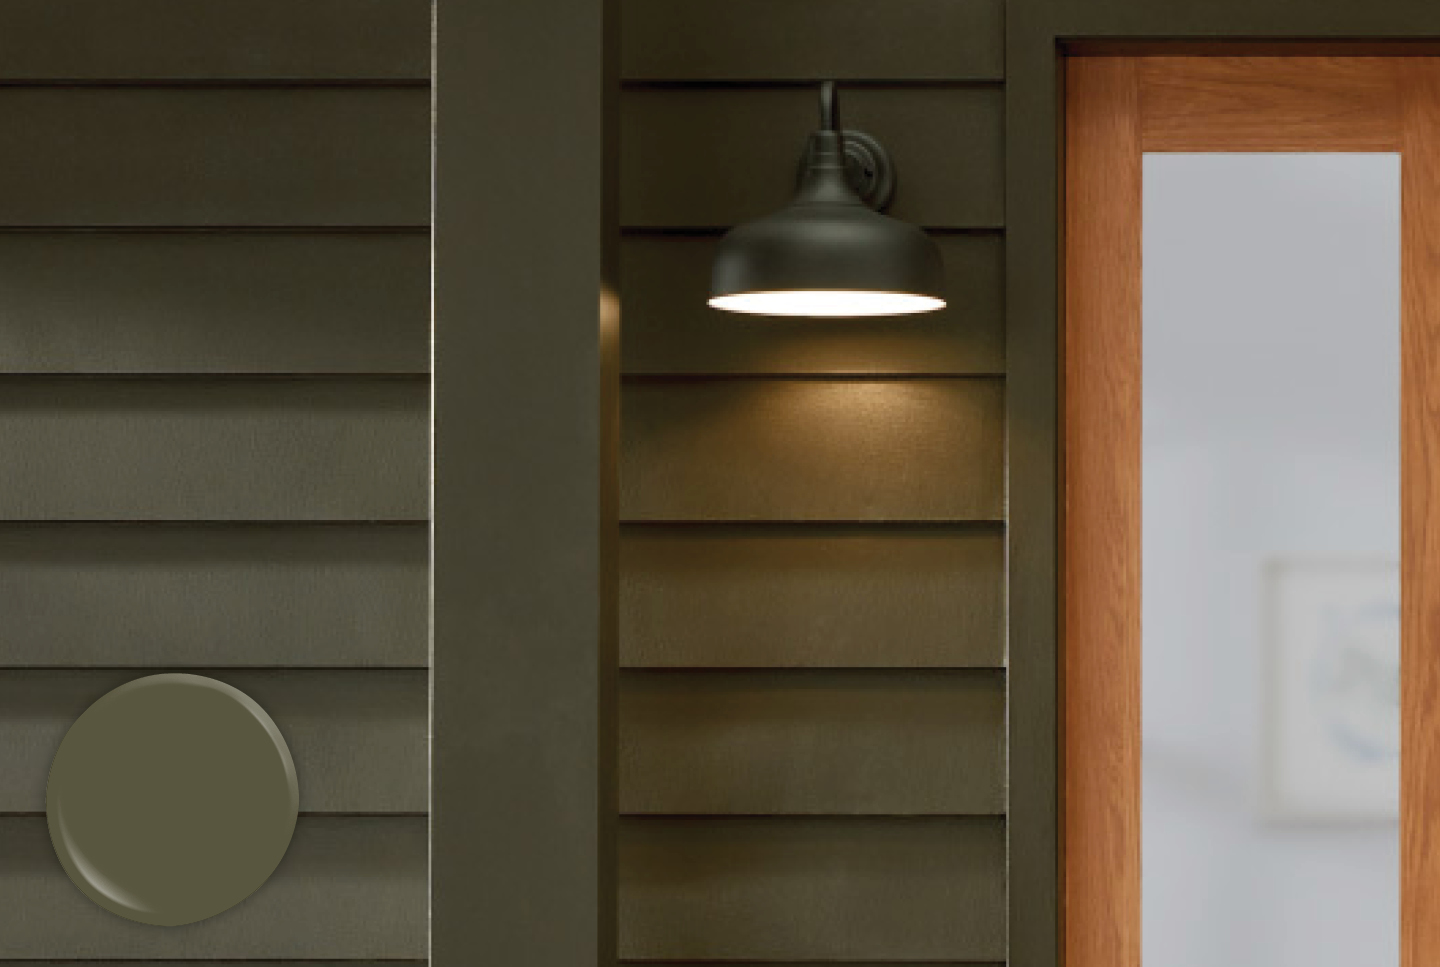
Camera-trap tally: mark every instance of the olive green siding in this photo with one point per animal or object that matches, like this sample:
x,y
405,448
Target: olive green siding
x,y
812,707
214,369
834,738
768,677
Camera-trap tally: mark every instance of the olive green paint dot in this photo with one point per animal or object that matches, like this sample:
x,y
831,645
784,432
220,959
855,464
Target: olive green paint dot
x,y
172,799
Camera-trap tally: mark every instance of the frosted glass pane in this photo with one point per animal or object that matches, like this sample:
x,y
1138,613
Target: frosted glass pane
x,y
1271,536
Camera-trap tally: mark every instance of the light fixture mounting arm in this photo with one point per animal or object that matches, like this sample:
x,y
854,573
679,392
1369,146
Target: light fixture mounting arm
x,y
868,167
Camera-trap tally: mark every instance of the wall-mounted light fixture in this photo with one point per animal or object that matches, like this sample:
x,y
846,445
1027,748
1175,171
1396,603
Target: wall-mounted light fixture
x,y
830,252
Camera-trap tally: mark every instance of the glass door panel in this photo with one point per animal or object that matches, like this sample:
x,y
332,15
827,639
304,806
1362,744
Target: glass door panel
x,y
1271,506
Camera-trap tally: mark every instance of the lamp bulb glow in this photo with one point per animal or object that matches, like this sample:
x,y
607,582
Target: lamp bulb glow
x,y
830,303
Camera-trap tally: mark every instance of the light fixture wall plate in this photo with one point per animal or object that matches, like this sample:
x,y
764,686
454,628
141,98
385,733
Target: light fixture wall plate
x,y
830,253
868,169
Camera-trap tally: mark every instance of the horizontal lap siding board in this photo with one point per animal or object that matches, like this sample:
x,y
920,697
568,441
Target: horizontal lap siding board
x,y
207,302
348,888
863,450
223,450
213,595
307,156
207,197
109,40
812,889
669,329
812,596
812,742
696,157
757,40
358,737
812,572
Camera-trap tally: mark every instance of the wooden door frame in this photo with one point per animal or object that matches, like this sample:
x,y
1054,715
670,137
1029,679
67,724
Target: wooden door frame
x,y
1038,36
1118,107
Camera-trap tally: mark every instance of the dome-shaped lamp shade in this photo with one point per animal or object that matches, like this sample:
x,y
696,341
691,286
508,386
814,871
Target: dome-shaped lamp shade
x,y
827,253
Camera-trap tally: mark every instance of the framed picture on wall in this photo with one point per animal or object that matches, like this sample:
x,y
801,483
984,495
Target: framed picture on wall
x,y
1333,691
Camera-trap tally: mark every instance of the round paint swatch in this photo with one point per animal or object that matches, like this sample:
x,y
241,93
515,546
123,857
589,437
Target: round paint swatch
x,y
172,799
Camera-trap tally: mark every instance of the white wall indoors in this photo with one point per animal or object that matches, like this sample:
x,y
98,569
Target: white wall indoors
x,y
1271,288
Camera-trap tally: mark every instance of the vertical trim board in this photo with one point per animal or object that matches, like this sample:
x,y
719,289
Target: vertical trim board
x,y
1102,450
1420,513
526,366
1033,313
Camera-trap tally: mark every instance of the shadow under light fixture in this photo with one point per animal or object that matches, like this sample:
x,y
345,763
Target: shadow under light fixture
x,y
831,252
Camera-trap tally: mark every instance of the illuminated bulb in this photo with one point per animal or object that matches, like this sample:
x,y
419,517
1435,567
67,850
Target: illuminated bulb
x,y
827,303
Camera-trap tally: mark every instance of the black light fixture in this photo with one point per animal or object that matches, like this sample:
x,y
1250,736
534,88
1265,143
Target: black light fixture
x,y
830,252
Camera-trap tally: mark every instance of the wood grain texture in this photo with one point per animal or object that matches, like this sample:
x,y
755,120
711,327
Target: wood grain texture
x,y
1420,513
359,738
812,596
204,302
317,156
229,450
742,144
214,40
348,888
1220,104
812,889
755,40
670,330
1268,104
77,595
813,742
861,450
1101,532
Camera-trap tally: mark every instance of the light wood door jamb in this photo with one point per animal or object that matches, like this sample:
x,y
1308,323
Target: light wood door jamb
x,y
1116,109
